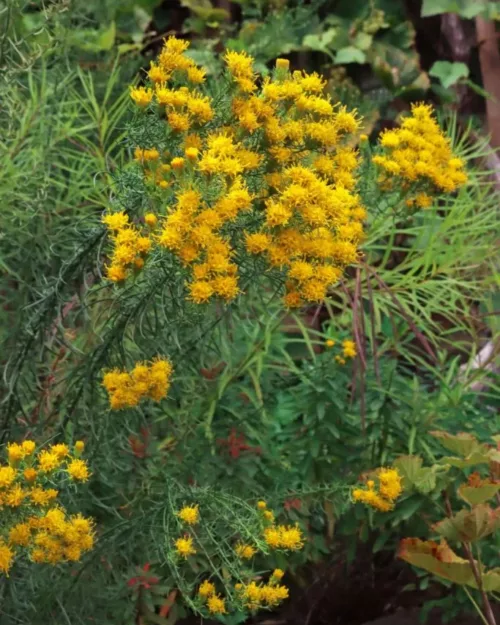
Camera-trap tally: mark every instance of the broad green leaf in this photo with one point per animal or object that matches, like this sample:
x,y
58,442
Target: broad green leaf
x,y
449,73
475,495
470,525
349,54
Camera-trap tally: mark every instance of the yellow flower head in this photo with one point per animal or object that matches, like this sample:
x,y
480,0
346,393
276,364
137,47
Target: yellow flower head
x,y
79,446
20,534
278,574
61,450
245,551
390,483
291,537
7,476
141,96
184,547
6,557
349,349
78,470
30,474
216,605
261,505
189,514
177,163
268,515
28,447
48,461
15,496
206,589
15,453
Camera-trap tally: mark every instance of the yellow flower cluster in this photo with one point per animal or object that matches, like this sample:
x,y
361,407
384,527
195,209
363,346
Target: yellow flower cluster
x,y
270,174
284,537
421,155
145,380
215,603
55,537
348,351
43,529
129,246
389,489
255,596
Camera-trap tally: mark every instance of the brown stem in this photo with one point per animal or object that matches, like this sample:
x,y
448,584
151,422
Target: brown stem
x,y
358,298
490,617
404,314
372,326
489,58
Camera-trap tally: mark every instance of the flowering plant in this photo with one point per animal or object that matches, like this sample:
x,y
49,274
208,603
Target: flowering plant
x,y
31,519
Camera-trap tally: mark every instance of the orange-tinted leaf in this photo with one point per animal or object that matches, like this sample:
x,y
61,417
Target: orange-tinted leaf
x,y
437,558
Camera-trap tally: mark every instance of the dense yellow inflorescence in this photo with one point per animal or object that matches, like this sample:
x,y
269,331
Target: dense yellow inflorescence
x,y
418,157
145,380
129,246
251,595
266,173
381,498
33,522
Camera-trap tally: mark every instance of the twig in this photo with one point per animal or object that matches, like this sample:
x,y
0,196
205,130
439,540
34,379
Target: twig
x,y
404,314
372,327
490,617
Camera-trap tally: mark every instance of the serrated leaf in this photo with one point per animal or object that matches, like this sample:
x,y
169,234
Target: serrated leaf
x,y
470,461
349,54
363,41
449,73
409,468
463,444
475,495
469,525
426,480
491,580
438,559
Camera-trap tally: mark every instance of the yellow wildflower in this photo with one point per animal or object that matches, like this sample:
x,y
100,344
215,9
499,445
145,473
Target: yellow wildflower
x,y
245,551
6,557
15,453
216,605
7,476
184,547
206,589
189,514
141,96
48,461
78,470
349,349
